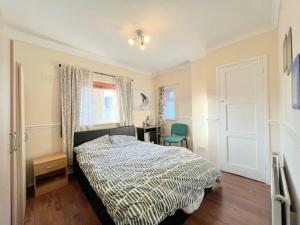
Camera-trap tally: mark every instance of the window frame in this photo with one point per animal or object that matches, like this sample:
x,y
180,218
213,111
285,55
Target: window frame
x,y
167,99
105,86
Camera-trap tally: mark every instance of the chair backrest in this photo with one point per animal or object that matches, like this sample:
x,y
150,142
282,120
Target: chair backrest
x,y
179,129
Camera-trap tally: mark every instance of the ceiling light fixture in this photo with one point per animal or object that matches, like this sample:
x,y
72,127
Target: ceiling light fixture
x,y
139,39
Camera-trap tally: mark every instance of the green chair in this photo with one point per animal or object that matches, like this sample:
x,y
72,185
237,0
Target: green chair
x,y
178,134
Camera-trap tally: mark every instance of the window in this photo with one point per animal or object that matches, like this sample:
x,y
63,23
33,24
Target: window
x,y
104,103
170,110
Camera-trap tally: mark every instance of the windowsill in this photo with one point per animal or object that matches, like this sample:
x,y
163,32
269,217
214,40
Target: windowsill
x,y
101,126
105,124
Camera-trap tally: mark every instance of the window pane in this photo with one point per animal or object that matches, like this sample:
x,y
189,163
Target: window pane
x,y
110,112
98,106
170,111
171,94
104,106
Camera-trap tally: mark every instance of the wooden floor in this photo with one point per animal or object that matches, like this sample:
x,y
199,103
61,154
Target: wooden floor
x,y
237,201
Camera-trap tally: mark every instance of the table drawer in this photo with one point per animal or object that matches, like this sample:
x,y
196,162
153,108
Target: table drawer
x,y
50,166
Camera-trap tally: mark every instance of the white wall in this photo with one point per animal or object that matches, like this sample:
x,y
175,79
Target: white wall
x,y
196,87
204,90
179,79
42,95
5,201
290,119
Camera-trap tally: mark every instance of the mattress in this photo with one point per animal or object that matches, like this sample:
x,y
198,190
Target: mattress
x,y
142,183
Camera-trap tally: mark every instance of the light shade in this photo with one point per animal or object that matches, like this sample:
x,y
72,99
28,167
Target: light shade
x,y
142,47
146,39
139,39
130,41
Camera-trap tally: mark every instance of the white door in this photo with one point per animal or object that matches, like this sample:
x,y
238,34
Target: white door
x,y
18,148
243,114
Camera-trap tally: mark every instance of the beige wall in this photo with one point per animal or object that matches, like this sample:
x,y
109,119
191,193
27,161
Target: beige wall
x,y
42,95
196,91
290,119
199,107
195,85
5,201
179,79
204,89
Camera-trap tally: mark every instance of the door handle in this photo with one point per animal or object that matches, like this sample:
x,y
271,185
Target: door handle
x,y
26,136
14,142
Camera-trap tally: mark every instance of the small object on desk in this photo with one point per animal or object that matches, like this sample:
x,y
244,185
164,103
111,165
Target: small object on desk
x,y
49,173
153,132
148,121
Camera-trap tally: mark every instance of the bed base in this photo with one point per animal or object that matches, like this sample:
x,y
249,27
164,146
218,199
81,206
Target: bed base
x,y
80,137
178,219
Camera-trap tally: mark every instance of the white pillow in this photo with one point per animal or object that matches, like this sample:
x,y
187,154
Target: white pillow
x,y
101,140
101,143
122,139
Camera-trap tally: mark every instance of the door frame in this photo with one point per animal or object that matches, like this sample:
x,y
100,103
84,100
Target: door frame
x,y
264,59
17,158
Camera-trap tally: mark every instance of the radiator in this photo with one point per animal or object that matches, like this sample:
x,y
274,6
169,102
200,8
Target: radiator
x,y
281,201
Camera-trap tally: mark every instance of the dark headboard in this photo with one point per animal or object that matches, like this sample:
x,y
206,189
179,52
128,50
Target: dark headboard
x,y
85,136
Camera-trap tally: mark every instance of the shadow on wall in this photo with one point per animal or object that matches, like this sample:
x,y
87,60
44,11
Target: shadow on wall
x,y
291,169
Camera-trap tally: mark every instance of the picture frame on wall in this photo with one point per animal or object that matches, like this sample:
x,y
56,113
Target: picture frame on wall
x,y
284,50
142,100
296,83
289,51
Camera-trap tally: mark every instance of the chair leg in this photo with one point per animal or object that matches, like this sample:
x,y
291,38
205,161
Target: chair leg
x,y
186,144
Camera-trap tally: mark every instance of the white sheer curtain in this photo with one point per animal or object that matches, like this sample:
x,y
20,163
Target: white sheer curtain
x,y
76,99
124,93
162,109
86,106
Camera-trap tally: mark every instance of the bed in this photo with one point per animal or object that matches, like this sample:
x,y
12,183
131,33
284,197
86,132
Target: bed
x,y
140,183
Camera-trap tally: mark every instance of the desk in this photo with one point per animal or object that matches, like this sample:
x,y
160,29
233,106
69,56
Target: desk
x,y
153,131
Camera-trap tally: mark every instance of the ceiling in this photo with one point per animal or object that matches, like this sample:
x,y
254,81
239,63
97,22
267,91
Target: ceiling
x,y
180,30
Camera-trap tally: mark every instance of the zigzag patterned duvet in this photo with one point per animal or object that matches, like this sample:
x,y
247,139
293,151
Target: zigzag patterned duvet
x,y
141,183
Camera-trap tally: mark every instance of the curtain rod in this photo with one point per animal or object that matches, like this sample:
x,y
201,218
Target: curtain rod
x,y
170,85
104,74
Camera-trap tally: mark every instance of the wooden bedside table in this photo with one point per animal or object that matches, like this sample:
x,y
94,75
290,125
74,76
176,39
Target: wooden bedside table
x,y
50,172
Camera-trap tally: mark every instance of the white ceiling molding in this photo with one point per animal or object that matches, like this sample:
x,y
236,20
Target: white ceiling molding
x,y
275,12
178,31
238,39
18,35
181,66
